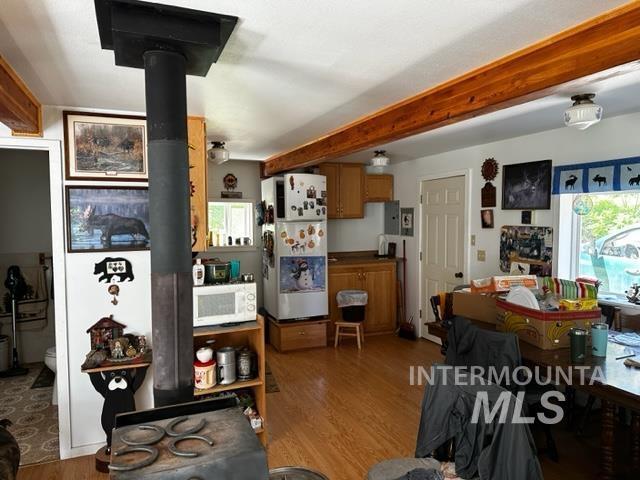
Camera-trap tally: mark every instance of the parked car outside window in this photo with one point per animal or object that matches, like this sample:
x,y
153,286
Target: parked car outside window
x,y
614,259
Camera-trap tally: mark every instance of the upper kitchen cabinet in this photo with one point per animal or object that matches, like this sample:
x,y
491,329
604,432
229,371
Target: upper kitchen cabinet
x,y
345,189
197,139
378,188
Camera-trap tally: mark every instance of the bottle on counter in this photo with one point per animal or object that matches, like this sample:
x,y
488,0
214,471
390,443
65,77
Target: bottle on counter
x,y
198,273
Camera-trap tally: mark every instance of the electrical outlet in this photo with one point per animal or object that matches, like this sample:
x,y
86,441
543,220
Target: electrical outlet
x,y
482,255
473,240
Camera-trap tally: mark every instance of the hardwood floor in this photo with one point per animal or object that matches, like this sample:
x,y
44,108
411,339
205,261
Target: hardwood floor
x,y
340,411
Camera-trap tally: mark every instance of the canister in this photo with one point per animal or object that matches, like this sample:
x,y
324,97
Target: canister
x,y
226,365
204,374
578,339
599,338
246,360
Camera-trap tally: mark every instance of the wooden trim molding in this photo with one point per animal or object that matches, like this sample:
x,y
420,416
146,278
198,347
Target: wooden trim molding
x,y
20,110
602,47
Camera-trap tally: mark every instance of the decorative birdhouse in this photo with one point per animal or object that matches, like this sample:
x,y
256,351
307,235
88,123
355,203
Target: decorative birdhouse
x,y
103,331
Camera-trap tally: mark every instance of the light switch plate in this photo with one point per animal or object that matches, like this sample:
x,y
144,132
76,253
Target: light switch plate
x,y
473,240
482,255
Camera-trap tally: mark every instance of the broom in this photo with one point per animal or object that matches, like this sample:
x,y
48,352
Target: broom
x,y
406,329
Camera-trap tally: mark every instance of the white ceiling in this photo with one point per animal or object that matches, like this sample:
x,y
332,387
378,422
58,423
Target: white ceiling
x,y
295,69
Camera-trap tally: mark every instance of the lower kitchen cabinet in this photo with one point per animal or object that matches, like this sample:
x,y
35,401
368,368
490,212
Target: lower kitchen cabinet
x,y
378,279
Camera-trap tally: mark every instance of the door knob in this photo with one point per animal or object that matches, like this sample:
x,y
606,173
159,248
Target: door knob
x,y
458,275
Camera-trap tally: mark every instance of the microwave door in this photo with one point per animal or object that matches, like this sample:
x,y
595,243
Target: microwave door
x,y
215,308
240,305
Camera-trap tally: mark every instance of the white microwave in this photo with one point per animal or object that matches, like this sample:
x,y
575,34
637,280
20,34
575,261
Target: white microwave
x,y
224,303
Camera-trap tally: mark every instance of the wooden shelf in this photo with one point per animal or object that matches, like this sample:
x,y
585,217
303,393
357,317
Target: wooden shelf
x,y
237,385
217,329
250,334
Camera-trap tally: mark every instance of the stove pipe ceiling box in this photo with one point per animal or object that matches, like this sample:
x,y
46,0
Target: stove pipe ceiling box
x,y
169,43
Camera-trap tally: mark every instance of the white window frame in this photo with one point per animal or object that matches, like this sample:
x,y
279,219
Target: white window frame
x,y
569,248
249,223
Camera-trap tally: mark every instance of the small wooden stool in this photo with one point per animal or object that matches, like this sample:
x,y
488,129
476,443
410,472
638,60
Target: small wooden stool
x,y
359,332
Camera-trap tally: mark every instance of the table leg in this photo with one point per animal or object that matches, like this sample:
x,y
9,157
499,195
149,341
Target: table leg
x,y
607,447
635,442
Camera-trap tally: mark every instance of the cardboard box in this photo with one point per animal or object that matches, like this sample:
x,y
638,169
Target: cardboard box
x,y
546,330
476,306
503,283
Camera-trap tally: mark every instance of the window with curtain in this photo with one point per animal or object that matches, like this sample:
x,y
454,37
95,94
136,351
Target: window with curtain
x,y
605,200
231,219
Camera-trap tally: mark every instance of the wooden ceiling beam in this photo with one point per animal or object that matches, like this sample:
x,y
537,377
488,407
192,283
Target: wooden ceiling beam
x,y
602,47
20,110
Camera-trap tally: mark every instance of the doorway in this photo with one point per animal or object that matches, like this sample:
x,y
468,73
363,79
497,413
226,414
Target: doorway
x,y
444,229
28,390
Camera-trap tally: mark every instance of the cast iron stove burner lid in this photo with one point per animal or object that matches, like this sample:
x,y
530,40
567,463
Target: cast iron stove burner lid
x,y
295,473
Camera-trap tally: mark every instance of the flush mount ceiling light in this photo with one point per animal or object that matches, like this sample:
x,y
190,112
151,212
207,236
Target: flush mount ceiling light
x,y
583,113
379,162
218,153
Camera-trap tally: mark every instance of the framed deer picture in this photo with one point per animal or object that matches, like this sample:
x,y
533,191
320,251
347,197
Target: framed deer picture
x,y
102,219
526,186
105,147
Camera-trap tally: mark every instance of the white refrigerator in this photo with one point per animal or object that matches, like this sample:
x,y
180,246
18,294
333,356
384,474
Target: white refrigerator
x,y
294,246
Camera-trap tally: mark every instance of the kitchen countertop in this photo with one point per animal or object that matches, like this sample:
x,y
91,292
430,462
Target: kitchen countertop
x,y
358,258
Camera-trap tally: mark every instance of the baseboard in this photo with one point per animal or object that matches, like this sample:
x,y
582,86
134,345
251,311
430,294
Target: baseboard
x,y
81,451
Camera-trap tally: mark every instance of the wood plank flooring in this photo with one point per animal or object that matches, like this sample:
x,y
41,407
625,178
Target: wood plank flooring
x,y
342,410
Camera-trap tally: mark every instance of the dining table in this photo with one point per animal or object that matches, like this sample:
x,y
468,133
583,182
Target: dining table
x,y
614,383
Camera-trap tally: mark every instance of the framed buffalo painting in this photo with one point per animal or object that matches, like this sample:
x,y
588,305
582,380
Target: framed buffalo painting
x,y
105,147
102,219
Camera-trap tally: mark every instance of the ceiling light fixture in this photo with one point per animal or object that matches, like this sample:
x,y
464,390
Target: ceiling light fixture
x,y
583,113
379,162
218,153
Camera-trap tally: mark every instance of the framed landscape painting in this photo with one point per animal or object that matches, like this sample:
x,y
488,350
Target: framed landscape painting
x,y
101,219
105,147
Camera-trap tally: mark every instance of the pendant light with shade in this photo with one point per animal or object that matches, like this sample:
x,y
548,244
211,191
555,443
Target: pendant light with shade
x,y
583,113
218,153
378,163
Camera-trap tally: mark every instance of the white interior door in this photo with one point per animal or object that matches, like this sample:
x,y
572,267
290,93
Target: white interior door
x,y
443,231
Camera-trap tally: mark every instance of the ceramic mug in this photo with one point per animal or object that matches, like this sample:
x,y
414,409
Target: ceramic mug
x,y
204,354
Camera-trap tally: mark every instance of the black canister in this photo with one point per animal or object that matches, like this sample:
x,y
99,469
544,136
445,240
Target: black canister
x,y
578,338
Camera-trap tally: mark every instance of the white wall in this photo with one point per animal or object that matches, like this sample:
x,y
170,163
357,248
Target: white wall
x,y
352,235
87,301
612,138
248,175
25,216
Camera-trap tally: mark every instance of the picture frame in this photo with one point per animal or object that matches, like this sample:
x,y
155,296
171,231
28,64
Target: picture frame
x,y
527,186
406,222
100,146
526,218
486,218
107,218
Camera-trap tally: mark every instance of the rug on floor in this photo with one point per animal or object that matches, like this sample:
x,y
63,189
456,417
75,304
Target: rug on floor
x,y
271,385
35,420
44,379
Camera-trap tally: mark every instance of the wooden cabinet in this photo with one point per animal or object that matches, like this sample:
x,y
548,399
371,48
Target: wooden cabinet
x,y
378,188
197,139
250,334
345,189
297,335
378,279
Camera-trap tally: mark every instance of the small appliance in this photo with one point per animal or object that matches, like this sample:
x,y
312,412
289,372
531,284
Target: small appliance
x,y
224,303
226,365
216,271
382,245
